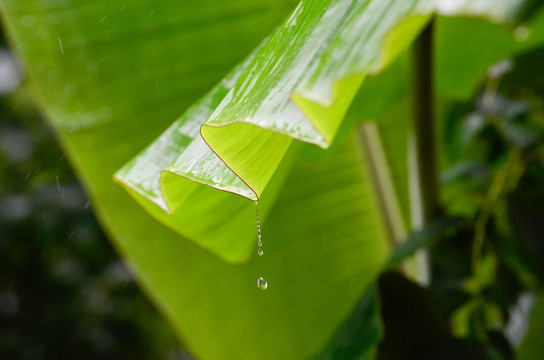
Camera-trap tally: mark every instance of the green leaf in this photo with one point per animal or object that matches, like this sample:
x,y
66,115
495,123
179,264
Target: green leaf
x,y
324,232
168,172
311,61
233,154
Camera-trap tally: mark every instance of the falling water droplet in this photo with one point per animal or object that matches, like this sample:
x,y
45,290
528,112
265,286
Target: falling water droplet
x,y
261,283
259,241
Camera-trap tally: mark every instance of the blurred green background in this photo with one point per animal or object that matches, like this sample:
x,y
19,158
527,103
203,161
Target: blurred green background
x,y
64,292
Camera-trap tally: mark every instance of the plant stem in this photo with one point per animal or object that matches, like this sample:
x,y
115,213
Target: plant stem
x,y
380,173
422,158
424,124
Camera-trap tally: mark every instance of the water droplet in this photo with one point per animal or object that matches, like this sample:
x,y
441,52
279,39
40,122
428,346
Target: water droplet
x,y
261,283
259,240
521,33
